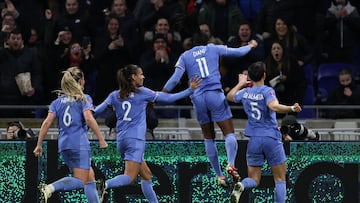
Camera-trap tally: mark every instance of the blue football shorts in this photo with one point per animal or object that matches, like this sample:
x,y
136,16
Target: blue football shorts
x,y
131,149
261,148
76,158
211,106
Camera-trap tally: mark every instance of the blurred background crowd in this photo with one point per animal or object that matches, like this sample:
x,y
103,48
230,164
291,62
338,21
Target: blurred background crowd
x,y
311,48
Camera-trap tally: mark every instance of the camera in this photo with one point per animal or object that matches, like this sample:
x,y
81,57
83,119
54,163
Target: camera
x,y
20,132
297,131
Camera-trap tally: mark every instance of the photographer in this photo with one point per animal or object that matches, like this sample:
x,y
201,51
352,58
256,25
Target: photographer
x,y
292,130
16,130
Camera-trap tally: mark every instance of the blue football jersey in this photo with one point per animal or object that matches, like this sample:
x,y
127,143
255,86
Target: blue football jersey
x,y
203,61
131,112
261,120
71,123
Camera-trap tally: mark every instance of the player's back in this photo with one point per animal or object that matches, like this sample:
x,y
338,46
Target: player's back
x,y
203,61
261,120
131,112
71,122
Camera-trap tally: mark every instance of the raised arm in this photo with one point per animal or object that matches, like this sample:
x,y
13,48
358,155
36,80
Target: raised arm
x,y
280,108
174,80
241,84
100,108
241,51
167,97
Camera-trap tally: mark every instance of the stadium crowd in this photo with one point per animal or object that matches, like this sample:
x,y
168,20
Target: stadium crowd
x,y
40,39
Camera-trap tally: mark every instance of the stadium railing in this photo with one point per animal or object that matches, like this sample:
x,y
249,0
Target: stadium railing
x,y
188,128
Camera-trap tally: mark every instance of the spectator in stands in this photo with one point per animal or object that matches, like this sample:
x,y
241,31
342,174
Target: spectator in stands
x,y
284,74
79,55
129,26
162,26
222,16
294,42
111,53
76,18
309,19
158,64
9,8
342,23
188,23
235,65
347,93
148,12
31,15
34,39
54,49
209,100
21,76
270,10
13,19
204,28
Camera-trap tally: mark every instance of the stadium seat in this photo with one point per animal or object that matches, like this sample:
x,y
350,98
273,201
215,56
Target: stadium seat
x,y
249,8
309,99
309,73
328,78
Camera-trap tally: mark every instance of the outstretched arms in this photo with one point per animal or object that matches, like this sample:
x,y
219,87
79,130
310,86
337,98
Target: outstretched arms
x,y
167,97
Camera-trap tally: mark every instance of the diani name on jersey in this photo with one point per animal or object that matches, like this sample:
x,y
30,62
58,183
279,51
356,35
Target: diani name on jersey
x,y
198,52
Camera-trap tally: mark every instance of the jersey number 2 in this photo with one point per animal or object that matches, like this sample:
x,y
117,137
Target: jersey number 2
x,y
126,106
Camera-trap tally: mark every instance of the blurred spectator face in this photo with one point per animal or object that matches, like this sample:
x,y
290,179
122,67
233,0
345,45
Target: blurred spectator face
x,y
75,50
113,26
162,26
15,41
276,51
281,28
244,32
119,7
65,37
204,28
33,37
9,21
345,79
159,44
72,6
222,2
157,2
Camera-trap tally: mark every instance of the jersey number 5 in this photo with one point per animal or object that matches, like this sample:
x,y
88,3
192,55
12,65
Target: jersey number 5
x,y
255,110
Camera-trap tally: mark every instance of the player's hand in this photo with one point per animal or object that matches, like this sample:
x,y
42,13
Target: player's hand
x,y
253,43
103,144
195,82
38,151
287,137
296,108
